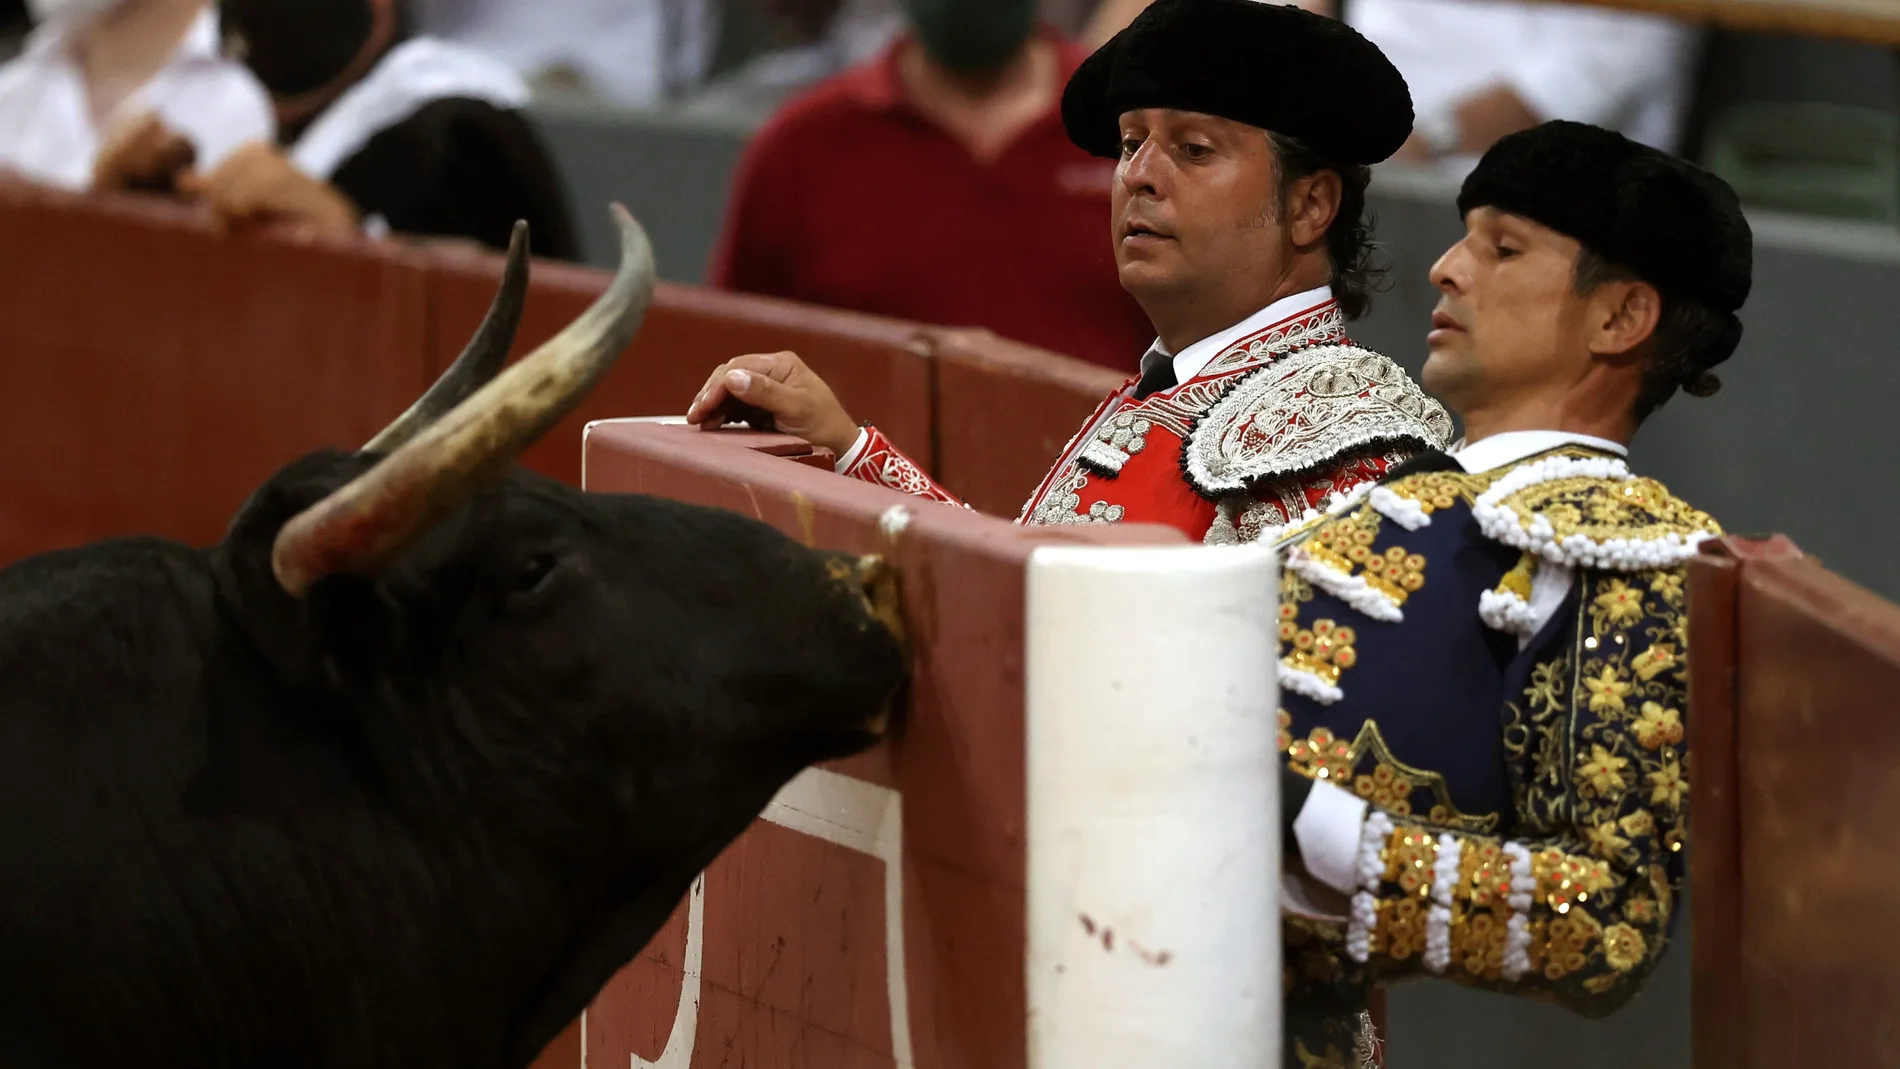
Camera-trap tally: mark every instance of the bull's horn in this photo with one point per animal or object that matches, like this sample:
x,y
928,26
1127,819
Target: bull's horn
x,y
359,527
485,354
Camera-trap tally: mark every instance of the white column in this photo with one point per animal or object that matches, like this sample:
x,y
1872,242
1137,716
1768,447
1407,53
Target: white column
x,y
1154,850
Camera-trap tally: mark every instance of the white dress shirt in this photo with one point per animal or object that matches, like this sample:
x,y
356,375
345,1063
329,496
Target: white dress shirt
x,y
47,133
1621,70
1192,359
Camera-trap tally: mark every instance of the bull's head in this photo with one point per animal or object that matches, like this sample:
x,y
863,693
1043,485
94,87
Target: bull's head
x,y
608,686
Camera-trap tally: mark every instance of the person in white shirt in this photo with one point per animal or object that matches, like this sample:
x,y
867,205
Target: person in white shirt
x,y
1482,69
633,53
124,94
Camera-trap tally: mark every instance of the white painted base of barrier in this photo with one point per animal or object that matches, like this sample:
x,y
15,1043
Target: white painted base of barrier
x,y
1154,851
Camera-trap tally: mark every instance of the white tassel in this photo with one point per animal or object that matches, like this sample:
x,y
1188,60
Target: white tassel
x,y
1517,933
1300,681
1351,589
1438,919
1403,511
1503,610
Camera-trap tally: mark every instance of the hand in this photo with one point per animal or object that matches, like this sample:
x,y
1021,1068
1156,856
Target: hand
x,y
142,153
774,391
258,183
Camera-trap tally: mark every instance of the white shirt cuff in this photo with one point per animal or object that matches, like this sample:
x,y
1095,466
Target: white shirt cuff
x,y
851,455
1327,831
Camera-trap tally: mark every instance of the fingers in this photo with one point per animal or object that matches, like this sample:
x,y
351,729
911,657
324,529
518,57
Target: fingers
x,y
711,406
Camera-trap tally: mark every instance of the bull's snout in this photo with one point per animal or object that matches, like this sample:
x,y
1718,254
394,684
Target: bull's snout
x,y
877,584
872,579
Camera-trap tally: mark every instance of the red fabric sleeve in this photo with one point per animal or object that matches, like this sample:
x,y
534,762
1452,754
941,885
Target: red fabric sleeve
x,y
882,463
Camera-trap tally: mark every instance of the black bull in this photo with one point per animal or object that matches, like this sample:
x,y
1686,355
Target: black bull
x,y
405,768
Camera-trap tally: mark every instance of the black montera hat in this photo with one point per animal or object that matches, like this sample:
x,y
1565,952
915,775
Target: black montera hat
x,y
1676,225
1279,68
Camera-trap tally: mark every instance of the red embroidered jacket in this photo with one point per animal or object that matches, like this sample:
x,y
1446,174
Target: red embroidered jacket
x,y
1275,424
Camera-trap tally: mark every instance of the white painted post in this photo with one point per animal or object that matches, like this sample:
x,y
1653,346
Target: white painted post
x,y
1154,849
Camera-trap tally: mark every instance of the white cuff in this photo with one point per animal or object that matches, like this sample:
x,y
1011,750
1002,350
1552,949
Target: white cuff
x,y
851,455
1327,831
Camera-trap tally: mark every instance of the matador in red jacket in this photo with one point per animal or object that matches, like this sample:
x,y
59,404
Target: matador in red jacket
x,y
1238,223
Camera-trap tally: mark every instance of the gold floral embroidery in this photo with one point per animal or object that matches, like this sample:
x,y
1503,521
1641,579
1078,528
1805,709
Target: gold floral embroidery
x,y
1622,947
1387,788
1668,586
1668,785
1654,661
1607,691
1617,607
1637,509
1658,727
1604,771
1284,738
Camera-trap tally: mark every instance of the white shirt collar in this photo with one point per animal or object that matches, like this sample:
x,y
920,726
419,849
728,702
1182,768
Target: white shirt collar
x,y
1193,358
1489,454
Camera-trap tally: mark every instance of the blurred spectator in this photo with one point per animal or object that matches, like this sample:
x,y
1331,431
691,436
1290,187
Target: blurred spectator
x,y
384,130
14,22
817,39
124,94
935,183
632,53
1482,69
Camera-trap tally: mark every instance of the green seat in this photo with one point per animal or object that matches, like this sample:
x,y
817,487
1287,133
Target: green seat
x,y
1819,159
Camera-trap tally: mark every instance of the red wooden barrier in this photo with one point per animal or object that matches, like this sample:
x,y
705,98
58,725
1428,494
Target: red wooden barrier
x,y
689,331
158,371
812,950
1793,672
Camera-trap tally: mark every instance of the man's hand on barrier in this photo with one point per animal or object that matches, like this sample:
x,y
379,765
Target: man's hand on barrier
x,y
774,391
142,153
258,183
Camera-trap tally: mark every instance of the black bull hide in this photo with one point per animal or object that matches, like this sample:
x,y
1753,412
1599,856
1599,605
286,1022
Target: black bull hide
x,y
415,818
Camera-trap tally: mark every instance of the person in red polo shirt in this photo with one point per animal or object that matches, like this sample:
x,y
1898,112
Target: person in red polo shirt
x,y
1244,134
934,183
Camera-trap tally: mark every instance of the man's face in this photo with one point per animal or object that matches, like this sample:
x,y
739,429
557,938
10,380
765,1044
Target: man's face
x,y
1196,205
1509,317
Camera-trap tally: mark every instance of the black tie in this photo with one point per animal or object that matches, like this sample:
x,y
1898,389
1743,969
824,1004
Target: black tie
x,y
1158,375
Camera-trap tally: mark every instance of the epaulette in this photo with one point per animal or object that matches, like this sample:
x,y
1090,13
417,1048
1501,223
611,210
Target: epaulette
x,y
1587,511
1304,410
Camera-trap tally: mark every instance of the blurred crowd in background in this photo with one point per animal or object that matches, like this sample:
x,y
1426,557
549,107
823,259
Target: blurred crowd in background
x,y
413,117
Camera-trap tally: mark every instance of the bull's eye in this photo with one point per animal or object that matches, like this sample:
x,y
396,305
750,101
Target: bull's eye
x,y
534,573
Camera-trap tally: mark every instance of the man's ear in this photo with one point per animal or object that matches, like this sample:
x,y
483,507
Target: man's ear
x,y
1312,205
1626,315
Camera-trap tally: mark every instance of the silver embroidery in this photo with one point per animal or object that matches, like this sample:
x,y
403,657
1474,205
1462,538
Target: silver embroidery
x,y
1305,409
1064,501
1328,326
1117,439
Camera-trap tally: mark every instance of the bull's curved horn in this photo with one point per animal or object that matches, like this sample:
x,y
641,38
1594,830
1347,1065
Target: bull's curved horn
x,y
486,352
359,527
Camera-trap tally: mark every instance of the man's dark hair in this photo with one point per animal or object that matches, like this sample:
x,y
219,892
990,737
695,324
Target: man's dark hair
x,y
1685,344
1349,243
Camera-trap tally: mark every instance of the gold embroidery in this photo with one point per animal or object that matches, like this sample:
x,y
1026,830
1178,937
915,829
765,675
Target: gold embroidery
x,y
1636,509
1655,660
1367,767
1622,947
1617,607
1325,651
1435,491
1658,727
1397,574
1321,756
